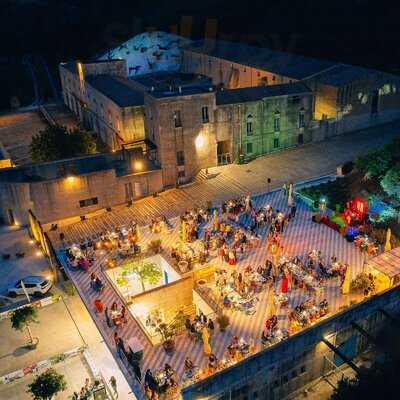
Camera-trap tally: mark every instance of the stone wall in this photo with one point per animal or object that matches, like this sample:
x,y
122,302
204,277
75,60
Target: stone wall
x,y
57,199
115,125
278,371
194,138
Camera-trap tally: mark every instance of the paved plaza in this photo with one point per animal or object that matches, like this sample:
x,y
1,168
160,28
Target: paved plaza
x,y
231,181
301,236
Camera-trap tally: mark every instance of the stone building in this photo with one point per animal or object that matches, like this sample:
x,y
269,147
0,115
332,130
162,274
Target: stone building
x,y
341,91
260,120
76,187
104,100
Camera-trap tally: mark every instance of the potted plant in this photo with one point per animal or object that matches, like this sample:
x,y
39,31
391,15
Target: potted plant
x,y
223,322
155,246
21,320
360,283
46,385
168,338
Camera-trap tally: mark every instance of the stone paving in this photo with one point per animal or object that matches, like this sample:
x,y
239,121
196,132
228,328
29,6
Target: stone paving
x,y
301,236
298,164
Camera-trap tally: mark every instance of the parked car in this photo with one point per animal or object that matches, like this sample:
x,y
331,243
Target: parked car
x,y
36,285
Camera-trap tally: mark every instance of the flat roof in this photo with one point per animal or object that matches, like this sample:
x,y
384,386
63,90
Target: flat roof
x,y
281,63
243,95
171,84
119,90
76,166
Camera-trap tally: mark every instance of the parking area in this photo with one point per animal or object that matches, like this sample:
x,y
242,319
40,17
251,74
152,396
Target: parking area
x,y
15,241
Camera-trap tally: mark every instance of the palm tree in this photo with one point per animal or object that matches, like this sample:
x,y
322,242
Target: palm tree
x,y
22,318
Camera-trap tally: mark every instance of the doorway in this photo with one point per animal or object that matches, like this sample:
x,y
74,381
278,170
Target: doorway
x,y
300,139
223,152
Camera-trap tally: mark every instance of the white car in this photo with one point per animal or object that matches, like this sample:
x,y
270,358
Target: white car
x,y
36,285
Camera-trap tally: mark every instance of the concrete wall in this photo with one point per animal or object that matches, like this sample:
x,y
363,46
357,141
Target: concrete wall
x,y
59,198
278,371
229,74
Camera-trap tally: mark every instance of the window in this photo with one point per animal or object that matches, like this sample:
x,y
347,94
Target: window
x,y
181,174
277,122
249,125
276,143
177,119
301,118
88,202
204,114
249,148
180,158
302,369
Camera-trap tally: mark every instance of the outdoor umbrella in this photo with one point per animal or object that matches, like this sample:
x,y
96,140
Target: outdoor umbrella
x,y
290,196
271,306
215,221
346,282
388,247
137,231
206,344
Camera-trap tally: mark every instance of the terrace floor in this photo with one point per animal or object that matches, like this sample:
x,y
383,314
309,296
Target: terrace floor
x,y
300,236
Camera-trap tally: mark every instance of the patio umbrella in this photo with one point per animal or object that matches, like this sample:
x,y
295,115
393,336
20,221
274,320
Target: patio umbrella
x,y
137,232
183,231
290,196
270,309
215,220
206,343
388,247
346,282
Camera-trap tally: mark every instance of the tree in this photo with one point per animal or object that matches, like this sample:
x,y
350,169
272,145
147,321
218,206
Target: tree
x,y
46,385
147,272
391,182
22,318
56,142
375,163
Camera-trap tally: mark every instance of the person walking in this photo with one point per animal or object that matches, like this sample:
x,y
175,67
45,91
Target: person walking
x,y
108,321
113,383
293,210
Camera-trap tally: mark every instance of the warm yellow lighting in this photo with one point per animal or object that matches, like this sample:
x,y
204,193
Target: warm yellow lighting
x,y
31,242
138,165
16,223
199,141
70,179
38,253
140,309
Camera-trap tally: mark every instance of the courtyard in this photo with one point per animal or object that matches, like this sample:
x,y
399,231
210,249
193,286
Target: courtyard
x,y
248,314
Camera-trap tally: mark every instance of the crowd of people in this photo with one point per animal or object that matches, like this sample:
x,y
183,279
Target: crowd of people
x,y
228,234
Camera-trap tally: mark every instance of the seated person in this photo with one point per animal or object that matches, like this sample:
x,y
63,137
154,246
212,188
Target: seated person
x,y
169,372
188,365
